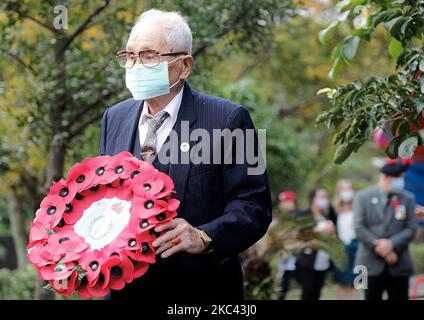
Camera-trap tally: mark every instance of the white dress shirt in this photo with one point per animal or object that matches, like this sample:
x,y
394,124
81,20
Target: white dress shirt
x,y
172,109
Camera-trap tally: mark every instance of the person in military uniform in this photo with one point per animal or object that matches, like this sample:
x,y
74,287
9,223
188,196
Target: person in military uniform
x,y
384,219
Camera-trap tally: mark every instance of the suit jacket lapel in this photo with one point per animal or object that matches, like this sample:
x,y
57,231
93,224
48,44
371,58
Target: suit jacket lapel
x,y
378,204
129,127
179,172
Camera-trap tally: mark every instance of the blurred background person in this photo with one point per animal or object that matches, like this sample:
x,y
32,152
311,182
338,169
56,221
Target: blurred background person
x,y
312,265
287,266
384,218
342,203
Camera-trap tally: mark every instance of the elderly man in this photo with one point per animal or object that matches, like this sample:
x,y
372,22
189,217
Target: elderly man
x,y
385,224
223,209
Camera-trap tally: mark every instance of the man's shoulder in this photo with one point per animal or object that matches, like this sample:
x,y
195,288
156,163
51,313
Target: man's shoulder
x,y
409,196
214,104
122,107
368,192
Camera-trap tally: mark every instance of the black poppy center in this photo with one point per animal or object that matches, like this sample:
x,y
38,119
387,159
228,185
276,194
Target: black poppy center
x,y
79,196
100,171
161,216
63,192
119,169
94,265
64,239
147,187
116,271
132,243
51,210
61,223
80,179
149,204
95,188
144,223
145,247
68,207
134,173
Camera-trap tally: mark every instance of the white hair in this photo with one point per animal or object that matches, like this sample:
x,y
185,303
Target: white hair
x,y
177,31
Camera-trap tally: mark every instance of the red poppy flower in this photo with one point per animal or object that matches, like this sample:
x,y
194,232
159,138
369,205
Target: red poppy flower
x,y
118,270
92,263
57,272
51,210
38,231
98,289
147,207
395,202
80,177
66,286
63,190
131,168
119,167
101,174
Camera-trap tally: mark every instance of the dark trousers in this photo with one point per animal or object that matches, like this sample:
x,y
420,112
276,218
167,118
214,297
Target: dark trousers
x,y
312,282
397,287
286,279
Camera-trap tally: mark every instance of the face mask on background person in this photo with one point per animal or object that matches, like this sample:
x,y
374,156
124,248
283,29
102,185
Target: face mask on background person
x,y
321,203
145,83
397,184
347,195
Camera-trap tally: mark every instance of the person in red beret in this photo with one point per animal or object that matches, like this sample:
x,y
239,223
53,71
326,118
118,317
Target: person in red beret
x,y
287,205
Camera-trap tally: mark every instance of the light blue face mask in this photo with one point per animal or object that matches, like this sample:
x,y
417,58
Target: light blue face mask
x,y
145,83
397,184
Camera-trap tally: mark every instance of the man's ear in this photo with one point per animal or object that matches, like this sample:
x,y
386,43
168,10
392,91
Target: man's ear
x,y
188,66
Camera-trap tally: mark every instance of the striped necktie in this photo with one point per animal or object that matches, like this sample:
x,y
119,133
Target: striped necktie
x,y
148,149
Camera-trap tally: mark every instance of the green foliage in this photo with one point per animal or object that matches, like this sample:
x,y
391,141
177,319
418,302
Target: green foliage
x,y
292,234
417,254
17,285
396,100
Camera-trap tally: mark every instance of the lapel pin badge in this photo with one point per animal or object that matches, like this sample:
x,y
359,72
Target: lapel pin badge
x,y
184,147
374,200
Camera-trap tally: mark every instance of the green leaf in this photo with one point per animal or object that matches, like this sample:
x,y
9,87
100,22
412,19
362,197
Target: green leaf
x,y
350,47
332,74
341,5
422,84
394,25
392,148
343,152
327,32
395,48
421,66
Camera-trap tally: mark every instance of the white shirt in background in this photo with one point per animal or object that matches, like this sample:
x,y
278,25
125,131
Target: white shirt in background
x,y
345,227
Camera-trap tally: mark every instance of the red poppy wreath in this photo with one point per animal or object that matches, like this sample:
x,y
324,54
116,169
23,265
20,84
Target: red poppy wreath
x,y
94,231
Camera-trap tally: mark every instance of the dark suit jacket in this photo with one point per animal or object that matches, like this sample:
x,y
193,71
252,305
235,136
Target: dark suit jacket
x,y
372,222
234,208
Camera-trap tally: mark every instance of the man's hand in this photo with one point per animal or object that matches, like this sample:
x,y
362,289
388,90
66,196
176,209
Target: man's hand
x,y
383,247
419,212
191,241
391,258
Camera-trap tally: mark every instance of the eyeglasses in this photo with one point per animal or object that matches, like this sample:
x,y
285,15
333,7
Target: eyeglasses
x,y
148,58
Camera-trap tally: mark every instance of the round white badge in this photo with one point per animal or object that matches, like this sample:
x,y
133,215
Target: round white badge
x,y
184,147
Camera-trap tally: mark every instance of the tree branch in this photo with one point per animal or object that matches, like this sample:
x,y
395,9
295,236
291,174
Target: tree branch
x,y
74,131
44,25
77,115
223,32
84,25
19,61
284,112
